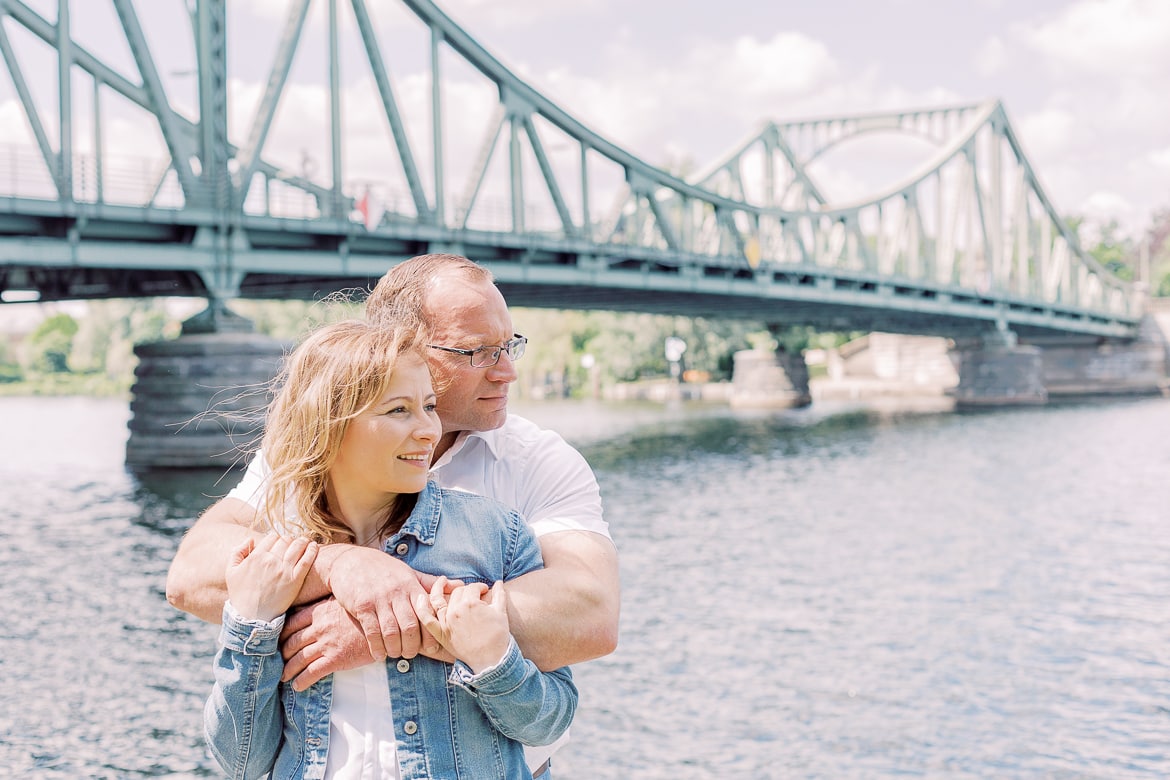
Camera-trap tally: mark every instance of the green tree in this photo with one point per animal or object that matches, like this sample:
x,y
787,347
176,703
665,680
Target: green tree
x,y
291,320
50,344
109,330
624,347
1113,251
10,370
1158,241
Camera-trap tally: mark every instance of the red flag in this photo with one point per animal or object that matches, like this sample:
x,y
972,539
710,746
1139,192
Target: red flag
x,y
363,207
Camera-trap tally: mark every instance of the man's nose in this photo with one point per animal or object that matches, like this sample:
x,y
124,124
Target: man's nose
x,y
504,370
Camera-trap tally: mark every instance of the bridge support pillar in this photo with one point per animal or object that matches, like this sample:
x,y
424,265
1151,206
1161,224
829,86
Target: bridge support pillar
x,y
769,380
1134,368
999,373
198,401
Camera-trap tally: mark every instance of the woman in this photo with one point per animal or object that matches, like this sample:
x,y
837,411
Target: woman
x,y
349,438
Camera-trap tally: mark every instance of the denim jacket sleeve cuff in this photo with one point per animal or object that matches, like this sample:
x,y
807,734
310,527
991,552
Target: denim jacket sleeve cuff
x,y
501,678
247,636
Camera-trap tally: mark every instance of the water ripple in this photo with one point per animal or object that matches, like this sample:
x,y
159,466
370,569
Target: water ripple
x,y
827,593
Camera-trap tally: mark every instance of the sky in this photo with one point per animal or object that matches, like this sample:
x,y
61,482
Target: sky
x,y
1084,82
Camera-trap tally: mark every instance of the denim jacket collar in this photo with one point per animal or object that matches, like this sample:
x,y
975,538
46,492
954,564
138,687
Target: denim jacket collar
x,y
423,523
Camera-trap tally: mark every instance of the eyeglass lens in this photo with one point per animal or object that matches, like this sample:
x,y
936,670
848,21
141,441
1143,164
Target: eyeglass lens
x,y
489,356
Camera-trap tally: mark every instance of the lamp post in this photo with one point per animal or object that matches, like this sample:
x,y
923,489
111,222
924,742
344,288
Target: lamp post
x,y
589,363
674,348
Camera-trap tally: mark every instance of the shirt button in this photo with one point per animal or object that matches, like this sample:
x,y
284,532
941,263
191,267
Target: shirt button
x,y
403,665
410,727
402,549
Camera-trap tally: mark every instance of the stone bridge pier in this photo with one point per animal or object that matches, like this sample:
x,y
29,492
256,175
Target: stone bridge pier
x,y
1000,372
765,379
198,401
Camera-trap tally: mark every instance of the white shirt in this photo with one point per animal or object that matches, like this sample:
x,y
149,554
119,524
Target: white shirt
x,y
361,727
521,465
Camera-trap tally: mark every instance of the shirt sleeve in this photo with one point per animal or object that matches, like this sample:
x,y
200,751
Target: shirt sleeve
x,y
522,702
242,719
560,491
254,484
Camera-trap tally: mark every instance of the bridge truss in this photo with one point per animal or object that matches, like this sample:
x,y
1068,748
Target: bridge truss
x,y
967,244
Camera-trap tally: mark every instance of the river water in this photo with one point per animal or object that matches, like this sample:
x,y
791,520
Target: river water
x,y
836,592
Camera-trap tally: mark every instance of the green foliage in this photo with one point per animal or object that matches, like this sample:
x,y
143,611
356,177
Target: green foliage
x,y
107,334
91,354
94,354
1158,240
1164,286
291,320
628,347
1115,253
10,370
50,344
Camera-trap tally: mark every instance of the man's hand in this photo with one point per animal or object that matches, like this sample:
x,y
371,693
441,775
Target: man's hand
x,y
376,590
320,639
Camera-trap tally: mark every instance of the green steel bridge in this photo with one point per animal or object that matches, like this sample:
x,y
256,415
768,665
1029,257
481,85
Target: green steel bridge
x,y
966,245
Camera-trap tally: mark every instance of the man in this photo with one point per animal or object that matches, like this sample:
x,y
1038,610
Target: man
x,y
563,614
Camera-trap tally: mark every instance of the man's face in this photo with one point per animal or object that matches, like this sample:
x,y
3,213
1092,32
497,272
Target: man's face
x,y
468,315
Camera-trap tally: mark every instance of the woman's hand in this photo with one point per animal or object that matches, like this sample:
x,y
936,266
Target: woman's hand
x,y
470,621
265,576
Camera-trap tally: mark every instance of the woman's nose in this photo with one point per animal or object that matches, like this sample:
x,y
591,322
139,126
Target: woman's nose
x,y
428,429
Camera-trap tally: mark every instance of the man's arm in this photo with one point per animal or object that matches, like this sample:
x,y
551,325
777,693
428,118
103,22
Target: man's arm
x,y
374,587
195,582
568,611
560,615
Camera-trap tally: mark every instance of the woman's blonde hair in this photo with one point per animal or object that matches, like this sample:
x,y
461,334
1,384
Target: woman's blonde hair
x,y
335,374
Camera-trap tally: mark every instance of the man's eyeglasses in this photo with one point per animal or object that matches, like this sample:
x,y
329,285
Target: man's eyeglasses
x,y
482,357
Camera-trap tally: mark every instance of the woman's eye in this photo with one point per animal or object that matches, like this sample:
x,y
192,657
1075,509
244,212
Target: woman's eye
x,y
431,407
397,410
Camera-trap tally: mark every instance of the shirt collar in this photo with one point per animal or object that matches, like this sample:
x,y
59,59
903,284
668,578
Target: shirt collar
x,y
423,522
490,438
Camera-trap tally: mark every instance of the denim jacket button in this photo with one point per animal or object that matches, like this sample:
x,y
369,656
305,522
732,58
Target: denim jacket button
x,y
403,665
410,727
402,549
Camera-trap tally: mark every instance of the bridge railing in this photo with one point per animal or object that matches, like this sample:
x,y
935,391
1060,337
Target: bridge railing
x,y
973,215
972,223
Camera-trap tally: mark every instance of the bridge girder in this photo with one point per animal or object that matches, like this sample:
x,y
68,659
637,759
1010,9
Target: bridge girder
x,y
969,239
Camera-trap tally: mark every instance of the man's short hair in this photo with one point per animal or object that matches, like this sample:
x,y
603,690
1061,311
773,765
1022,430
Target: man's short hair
x,y
404,287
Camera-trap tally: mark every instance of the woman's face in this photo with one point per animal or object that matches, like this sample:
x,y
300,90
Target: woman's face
x,y
387,449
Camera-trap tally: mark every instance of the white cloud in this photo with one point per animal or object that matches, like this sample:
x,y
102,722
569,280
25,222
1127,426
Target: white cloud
x,y
1107,37
1050,132
787,64
1104,204
992,57
704,99
517,13
1160,158
14,127
1106,207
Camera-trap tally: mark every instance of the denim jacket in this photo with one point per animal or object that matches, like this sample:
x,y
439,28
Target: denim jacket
x,y
448,722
